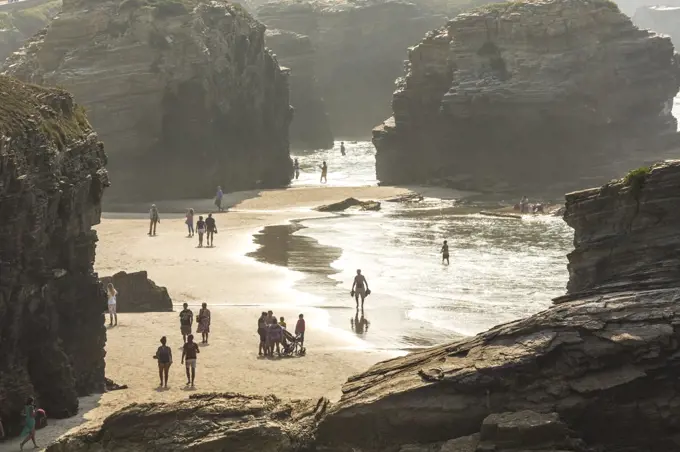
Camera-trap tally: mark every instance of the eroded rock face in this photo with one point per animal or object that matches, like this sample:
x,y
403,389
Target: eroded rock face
x,y
184,93
205,422
310,128
360,50
52,178
534,96
661,19
21,20
137,293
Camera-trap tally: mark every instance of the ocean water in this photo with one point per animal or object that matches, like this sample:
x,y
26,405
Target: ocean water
x,y
501,269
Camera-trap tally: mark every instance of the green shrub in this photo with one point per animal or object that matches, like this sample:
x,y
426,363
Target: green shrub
x,y
636,179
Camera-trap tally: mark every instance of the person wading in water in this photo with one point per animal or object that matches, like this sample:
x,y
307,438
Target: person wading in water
x,y
360,289
445,252
296,169
342,148
324,173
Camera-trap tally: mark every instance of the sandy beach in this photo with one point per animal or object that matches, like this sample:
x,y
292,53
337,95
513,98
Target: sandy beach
x,y
236,288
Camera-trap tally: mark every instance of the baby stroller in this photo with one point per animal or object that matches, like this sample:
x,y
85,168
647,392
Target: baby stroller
x,y
292,345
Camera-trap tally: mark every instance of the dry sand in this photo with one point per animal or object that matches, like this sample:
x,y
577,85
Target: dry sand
x,y
236,289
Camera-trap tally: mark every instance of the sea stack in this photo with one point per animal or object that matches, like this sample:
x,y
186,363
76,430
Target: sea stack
x,y
183,93
52,178
537,96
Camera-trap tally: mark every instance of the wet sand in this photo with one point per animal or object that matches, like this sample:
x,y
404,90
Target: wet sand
x,y
237,288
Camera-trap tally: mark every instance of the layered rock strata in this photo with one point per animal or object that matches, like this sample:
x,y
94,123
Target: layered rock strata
x,y
52,178
360,50
19,21
137,293
184,93
661,19
534,96
310,128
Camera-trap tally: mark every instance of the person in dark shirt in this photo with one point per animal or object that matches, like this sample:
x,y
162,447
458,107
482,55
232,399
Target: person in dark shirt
x,y
262,332
164,357
186,319
300,329
200,228
189,353
445,252
211,228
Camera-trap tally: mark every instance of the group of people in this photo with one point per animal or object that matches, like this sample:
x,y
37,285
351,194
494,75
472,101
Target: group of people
x,y
272,333
190,349
207,228
323,166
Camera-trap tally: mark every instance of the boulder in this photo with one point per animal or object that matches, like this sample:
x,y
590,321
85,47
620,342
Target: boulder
x,y
203,422
508,97
52,178
137,293
184,93
310,128
360,49
21,20
347,203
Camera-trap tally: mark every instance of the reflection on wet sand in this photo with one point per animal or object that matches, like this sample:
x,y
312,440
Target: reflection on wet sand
x,y
359,324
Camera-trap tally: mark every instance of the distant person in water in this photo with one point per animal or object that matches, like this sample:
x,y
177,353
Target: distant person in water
x,y
204,323
200,228
111,294
324,173
445,252
164,357
189,355
360,289
524,205
296,169
186,319
218,199
211,229
154,219
342,148
190,222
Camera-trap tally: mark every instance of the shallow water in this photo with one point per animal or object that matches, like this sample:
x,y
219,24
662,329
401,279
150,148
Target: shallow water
x,y
501,269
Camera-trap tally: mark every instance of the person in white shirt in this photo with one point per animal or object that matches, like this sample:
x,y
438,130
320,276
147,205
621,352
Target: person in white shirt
x,y
111,293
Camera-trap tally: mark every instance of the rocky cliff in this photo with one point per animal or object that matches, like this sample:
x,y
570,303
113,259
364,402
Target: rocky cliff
x,y
661,19
21,20
534,96
137,293
360,50
183,93
52,178
310,128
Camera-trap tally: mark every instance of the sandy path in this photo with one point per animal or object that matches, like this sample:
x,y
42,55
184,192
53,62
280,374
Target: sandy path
x,y
219,276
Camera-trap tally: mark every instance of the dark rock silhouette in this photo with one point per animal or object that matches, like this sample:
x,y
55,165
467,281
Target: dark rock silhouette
x,y
505,98
347,203
52,178
197,102
137,293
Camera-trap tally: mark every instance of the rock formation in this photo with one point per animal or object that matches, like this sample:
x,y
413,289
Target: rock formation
x,y
534,96
360,50
310,128
52,178
345,204
183,93
661,19
137,293
21,20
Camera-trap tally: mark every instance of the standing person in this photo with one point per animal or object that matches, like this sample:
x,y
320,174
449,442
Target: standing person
x,y
296,168
283,323
270,317
2,430
154,219
211,228
186,319
324,172
262,332
275,336
29,424
164,357
204,323
342,147
218,198
189,353
300,329
200,228
190,222
111,292
360,289
445,252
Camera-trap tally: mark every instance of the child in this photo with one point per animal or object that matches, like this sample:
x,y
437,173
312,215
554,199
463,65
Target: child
x,y
300,329
200,228
282,322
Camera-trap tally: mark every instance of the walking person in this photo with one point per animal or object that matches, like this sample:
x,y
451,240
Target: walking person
x,y
262,332
164,357
204,323
29,423
218,199
300,329
324,173
112,293
154,219
445,252
190,222
200,228
189,353
296,169
186,319
211,229
360,289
